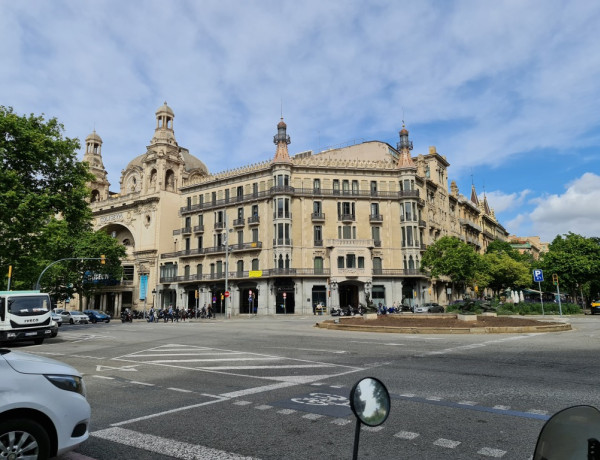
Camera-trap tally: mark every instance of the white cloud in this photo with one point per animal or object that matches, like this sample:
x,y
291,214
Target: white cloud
x,y
576,210
500,201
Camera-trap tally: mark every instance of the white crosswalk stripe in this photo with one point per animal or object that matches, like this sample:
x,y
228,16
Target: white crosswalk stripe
x,y
256,365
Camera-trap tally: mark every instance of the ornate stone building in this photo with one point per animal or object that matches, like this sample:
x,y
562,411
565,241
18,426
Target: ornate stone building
x,y
338,227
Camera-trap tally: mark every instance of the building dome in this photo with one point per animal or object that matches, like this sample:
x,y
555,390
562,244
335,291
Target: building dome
x,y
93,137
165,109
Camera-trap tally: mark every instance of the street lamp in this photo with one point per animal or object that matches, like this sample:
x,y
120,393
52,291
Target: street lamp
x,y
153,297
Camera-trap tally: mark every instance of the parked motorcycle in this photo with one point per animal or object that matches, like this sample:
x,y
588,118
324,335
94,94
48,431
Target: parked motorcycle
x,y
335,311
126,316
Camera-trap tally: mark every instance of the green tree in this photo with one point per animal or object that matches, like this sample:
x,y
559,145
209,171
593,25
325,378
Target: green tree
x,y
450,257
576,261
503,271
504,247
41,181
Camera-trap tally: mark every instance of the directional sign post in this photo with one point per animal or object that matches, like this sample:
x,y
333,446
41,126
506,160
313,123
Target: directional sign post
x,y
538,276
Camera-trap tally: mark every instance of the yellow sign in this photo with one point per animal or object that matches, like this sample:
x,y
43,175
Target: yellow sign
x,y
255,273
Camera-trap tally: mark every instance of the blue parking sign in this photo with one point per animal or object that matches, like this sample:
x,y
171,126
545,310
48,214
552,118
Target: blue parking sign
x,y
538,275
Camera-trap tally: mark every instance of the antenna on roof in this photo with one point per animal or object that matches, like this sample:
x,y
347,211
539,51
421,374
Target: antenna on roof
x,y
282,108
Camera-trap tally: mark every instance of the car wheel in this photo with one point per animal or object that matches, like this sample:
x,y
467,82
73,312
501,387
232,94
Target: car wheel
x,y
94,320
38,341
22,438
71,321
107,321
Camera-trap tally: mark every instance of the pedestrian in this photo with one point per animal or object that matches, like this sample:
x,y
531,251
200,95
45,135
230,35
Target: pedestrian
x,y
151,318
183,314
170,314
314,308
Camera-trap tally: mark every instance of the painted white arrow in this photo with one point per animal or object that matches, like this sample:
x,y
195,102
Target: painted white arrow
x,y
123,368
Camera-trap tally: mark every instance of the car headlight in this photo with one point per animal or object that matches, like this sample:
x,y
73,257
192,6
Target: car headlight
x,y
67,383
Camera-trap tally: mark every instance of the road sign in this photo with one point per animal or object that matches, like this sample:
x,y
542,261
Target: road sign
x,y
214,300
538,275
226,293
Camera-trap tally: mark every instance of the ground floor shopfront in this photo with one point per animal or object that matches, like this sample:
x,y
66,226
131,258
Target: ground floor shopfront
x,y
297,296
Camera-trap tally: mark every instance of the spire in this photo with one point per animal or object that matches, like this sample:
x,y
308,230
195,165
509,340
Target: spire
x,y
404,147
474,198
281,139
93,154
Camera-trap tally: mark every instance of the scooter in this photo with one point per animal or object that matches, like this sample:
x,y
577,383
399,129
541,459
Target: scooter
x,y
126,316
335,311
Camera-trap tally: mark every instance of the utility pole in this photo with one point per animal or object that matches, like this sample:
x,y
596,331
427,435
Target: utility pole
x,y
226,265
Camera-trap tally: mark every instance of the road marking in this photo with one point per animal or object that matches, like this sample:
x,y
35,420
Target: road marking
x,y
489,452
172,411
163,446
406,435
446,443
313,416
252,391
372,429
141,383
341,421
286,411
311,349
181,390
502,407
242,403
537,412
263,407
103,377
87,357
284,366
477,345
131,367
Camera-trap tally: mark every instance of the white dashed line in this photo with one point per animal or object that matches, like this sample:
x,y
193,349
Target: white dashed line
x,y
502,407
312,416
537,412
181,390
242,403
489,452
372,429
341,421
141,383
286,411
264,407
103,377
406,435
446,443
467,403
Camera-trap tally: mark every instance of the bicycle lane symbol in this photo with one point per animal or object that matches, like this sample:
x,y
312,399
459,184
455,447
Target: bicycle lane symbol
x,y
332,405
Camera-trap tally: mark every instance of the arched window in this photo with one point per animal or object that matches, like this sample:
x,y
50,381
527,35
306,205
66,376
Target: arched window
x,y
280,261
411,263
95,195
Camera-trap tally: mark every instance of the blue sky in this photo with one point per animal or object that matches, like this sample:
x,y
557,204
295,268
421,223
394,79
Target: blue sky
x,y
508,91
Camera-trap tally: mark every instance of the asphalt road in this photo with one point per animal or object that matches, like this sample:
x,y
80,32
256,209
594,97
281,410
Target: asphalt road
x,y
275,388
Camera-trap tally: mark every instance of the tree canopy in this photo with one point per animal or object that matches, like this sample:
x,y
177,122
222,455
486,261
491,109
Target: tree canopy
x,y
44,215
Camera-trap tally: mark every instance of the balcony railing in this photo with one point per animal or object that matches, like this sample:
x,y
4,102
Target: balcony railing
x,y
318,243
317,217
186,230
347,217
350,242
254,245
198,228
376,218
253,220
235,274
282,242
310,192
398,272
282,215
239,222
219,225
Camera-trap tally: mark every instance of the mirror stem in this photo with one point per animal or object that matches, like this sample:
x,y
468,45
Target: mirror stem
x,y
356,438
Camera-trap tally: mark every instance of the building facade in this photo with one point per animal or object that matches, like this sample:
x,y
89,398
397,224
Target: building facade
x,y
344,226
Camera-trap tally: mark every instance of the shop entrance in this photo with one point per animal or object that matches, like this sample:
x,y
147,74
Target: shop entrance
x,y
348,295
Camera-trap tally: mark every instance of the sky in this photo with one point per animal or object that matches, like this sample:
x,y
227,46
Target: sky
x,y
508,91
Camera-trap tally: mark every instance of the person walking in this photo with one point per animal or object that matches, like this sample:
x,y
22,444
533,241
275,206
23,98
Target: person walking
x,y
169,314
151,318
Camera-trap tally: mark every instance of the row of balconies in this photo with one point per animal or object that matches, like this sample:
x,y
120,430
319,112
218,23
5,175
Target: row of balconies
x,y
237,223
469,223
279,272
213,250
310,192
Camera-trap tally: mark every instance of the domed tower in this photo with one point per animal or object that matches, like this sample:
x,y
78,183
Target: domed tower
x,y
282,191
164,132
282,140
404,147
93,156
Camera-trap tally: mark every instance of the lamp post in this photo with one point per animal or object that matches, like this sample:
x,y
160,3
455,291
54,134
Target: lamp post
x,y
153,297
226,264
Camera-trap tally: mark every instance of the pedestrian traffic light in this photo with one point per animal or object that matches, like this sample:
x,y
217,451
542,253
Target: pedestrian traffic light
x,y
196,293
103,259
555,279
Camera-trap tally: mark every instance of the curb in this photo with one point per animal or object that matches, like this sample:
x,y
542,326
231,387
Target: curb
x,y
447,330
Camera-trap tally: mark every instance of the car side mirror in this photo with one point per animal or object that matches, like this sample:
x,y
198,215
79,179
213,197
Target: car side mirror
x,y
370,402
571,433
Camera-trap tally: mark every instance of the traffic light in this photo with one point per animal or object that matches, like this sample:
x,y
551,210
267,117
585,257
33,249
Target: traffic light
x,y
196,293
103,259
555,279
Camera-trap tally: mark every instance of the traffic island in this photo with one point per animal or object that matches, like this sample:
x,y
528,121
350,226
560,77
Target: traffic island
x,y
443,324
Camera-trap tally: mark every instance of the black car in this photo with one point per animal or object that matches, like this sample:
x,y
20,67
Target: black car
x,y
95,316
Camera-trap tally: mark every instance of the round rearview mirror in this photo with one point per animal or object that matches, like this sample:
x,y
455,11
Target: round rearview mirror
x,y
370,401
570,433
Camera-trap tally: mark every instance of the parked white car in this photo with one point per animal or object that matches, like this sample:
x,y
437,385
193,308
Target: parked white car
x,y
74,317
43,407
